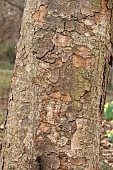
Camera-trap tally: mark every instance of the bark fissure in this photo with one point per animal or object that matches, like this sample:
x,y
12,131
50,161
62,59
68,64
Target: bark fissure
x,y
39,160
3,163
49,51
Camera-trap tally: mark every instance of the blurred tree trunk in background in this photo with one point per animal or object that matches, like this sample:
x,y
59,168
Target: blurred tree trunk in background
x,y
10,20
58,87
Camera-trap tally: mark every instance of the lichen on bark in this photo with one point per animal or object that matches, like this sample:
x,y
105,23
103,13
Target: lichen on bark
x,y
96,5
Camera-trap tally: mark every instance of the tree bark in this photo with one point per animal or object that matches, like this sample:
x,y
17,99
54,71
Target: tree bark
x,y
58,87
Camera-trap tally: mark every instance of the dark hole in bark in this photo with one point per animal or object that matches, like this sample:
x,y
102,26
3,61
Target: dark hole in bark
x,y
39,161
110,61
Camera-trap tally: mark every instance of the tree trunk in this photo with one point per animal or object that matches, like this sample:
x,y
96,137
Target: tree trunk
x,y
58,87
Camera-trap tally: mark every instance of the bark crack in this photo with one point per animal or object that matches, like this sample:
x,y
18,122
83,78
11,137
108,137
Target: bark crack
x,y
3,164
40,57
39,161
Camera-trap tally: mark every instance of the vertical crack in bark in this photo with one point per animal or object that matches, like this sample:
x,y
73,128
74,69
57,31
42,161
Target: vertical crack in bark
x,y
103,88
111,35
100,105
39,161
103,95
3,164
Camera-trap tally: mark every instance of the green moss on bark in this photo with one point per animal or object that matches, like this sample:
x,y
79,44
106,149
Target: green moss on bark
x,y
109,4
80,83
96,5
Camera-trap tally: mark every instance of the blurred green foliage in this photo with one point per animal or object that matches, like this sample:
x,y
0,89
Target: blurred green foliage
x,y
7,52
5,65
6,73
11,54
108,115
5,78
105,166
108,111
110,138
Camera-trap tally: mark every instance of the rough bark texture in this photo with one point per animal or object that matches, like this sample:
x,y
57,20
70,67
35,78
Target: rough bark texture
x,y
58,87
